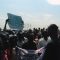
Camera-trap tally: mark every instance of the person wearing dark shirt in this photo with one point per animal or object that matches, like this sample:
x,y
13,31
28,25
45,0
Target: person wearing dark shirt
x,y
30,45
52,50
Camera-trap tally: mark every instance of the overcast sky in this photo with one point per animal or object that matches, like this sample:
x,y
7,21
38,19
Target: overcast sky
x,y
38,13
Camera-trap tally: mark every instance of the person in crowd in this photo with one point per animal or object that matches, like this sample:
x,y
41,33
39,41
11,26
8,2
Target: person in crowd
x,y
1,48
12,43
52,50
30,45
43,41
20,37
6,51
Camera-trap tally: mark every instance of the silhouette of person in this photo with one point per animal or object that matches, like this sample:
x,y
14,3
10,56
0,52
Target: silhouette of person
x,y
30,45
52,50
43,41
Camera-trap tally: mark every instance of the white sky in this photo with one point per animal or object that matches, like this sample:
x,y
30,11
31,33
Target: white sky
x,y
54,2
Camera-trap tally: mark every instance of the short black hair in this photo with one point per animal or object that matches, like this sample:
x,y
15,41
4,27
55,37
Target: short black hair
x,y
52,28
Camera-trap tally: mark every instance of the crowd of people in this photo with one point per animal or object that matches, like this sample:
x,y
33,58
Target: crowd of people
x,y
47,40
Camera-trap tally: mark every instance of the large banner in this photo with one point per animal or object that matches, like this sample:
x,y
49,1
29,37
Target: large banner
x,y
15,22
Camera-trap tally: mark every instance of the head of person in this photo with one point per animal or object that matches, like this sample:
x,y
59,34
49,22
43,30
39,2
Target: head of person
x,y
45,35
30,37
53,31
